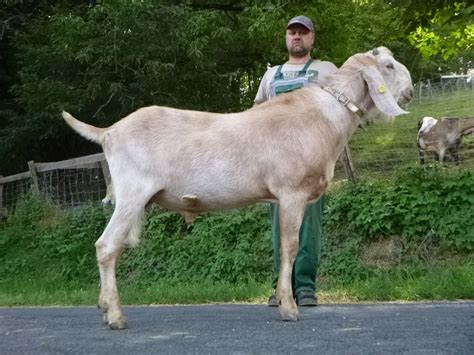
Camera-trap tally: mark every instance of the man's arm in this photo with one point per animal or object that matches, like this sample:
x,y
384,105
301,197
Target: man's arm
x,y
263,93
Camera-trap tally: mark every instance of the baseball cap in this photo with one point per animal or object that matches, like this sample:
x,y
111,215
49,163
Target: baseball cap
x,y
301,20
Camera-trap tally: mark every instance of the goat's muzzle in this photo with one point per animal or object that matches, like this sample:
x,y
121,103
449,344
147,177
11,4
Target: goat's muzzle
x,y
406,97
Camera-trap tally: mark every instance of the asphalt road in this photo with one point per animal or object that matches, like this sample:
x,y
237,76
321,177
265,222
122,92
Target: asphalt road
x,y
421,328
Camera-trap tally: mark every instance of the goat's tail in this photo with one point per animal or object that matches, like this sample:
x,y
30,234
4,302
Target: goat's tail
x,y
87,131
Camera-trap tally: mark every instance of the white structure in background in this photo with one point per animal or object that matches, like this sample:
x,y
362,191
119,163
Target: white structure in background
x,y
457,80
470,74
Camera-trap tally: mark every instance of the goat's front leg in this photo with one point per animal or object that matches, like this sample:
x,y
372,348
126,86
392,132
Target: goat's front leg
x,y
291,216
421,155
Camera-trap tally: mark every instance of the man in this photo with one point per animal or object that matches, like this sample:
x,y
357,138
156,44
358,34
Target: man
x,y
299,71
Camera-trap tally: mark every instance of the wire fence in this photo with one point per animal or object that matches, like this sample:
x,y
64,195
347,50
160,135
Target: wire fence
x,y
445,85
69,183
75,186
379,150
11,192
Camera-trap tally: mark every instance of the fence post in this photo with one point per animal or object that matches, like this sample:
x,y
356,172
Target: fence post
x,y
1,200
348,166
34,175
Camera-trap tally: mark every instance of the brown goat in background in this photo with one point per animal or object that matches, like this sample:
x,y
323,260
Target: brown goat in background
x,y
442,137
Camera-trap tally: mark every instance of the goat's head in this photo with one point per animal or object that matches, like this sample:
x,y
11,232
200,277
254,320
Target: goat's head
x,y
388,81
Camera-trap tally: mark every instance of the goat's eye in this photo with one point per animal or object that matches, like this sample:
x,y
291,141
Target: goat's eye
x,y
390,66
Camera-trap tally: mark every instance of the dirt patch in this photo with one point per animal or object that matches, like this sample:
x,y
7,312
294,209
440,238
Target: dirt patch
x,y
382,253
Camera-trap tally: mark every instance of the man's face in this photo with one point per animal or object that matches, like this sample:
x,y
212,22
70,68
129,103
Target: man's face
x,y
299,40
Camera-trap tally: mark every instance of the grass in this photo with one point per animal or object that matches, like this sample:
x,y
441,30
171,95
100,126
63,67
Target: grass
x,y
48,292
406,283
413,284
42,292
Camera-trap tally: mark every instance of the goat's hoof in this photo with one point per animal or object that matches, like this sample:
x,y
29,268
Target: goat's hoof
x,y
115,320
120,324
288,309
289,316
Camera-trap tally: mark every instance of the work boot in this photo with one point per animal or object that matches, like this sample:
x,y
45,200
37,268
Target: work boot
x,y
306,300
272,301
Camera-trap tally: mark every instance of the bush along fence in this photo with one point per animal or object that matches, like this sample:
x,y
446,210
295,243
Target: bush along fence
x,y
69,182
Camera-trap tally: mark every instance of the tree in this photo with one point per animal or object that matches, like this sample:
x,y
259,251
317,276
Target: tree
x,y
438,35
102,60
447,38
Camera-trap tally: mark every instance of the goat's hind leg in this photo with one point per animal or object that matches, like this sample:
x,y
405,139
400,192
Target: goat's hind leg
x,y
291,216
108,248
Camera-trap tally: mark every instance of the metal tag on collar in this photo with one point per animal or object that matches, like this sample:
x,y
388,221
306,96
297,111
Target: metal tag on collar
x,y
353,108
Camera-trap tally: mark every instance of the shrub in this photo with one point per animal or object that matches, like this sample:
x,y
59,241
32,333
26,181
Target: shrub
x,y
425,212
421,202
228,247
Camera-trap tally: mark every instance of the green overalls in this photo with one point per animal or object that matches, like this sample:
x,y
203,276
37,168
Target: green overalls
x,y
307,259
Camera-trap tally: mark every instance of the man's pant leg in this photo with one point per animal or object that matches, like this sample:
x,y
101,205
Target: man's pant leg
x,y
307,259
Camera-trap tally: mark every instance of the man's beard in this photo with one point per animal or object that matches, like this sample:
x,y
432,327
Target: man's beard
x,y
299,51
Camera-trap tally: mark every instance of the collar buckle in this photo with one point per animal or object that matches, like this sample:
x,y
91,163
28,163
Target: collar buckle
x,y
343,100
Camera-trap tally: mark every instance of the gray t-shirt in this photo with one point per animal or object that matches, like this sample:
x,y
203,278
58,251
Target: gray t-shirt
x,y
316,71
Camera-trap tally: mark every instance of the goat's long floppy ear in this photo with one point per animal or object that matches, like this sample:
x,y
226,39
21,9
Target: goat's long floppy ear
x,y
380,93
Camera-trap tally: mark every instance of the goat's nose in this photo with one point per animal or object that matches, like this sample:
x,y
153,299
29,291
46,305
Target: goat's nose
x,y
408,95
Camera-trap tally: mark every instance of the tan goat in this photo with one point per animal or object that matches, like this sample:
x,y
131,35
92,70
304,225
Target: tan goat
x,y
283,151
442,137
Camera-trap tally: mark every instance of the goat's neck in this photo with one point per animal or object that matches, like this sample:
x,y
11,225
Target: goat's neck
x,y
351,84
349,81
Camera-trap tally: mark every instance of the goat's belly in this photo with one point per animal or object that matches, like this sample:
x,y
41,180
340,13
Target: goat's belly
x,y
197,203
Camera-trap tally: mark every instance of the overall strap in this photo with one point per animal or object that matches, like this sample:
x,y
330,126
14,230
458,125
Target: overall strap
x,y
278,74
303,71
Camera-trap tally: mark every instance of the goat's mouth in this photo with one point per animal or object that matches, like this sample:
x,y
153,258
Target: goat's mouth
x,y
407,96
404,99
